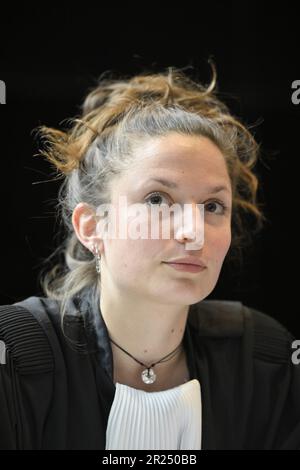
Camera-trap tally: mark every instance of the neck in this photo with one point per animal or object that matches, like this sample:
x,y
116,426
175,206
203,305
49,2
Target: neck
x,y
148,331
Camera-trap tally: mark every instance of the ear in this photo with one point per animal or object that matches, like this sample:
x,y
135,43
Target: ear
x,y
84,221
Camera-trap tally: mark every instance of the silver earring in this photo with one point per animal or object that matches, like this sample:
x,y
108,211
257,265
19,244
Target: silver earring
x,y
97,258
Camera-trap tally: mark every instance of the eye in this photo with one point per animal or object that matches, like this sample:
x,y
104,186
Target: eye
x,y
222,207
156,197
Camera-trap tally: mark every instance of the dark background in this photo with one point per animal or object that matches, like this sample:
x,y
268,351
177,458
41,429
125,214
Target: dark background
x,y
49,58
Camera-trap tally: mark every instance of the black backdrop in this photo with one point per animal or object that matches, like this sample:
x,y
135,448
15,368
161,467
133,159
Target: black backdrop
x,y
51,56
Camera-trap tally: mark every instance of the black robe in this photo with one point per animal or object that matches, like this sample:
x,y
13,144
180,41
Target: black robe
x,y
56,394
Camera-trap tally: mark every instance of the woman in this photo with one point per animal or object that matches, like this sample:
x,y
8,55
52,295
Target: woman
x,y
123,351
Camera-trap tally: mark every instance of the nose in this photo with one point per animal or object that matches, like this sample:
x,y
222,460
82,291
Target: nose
x,y
190,226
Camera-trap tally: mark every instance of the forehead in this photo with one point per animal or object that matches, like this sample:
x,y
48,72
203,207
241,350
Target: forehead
x,y
181,157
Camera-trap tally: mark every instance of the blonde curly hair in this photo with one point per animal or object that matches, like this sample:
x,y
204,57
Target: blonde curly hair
x,y
115,116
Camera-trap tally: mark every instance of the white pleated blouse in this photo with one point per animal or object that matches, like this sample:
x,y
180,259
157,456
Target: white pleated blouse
x,y
168,419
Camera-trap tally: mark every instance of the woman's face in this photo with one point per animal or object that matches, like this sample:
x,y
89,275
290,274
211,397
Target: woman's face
x,y
137,266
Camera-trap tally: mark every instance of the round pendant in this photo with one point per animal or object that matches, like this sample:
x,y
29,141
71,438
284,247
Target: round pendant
x,y
148,376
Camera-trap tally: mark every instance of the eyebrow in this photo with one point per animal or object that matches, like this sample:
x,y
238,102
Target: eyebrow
x,y
172,185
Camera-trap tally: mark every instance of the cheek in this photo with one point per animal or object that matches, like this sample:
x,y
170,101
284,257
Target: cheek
x,y
131,256
219,246
136,248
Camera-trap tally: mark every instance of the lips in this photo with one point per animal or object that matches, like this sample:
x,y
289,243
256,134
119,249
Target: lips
x,y
190,261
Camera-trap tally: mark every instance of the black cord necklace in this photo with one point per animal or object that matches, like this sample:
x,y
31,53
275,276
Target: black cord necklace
x,y
148,375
